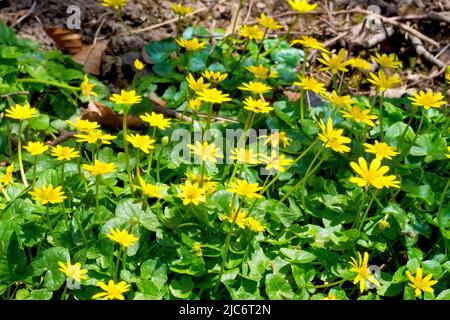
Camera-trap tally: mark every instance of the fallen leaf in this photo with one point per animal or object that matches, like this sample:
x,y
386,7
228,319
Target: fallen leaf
x,y
67,40
91,57
107,118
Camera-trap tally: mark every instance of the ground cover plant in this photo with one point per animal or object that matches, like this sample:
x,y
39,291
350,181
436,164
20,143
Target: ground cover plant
x,y
263,182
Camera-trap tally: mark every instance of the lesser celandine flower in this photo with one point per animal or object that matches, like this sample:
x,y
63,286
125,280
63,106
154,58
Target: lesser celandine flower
x,y
381,150
330,296
428,100
138,65
126,98
213,96
275,138
214,76
141,142
7,177
333,138
156,120
373,175
95,137
448,150
48,194
194,104
255,87
363,275
112,290
359,115
122,237
99,168
338,101
206,151
150,190
197,248
180,10
383,81
262,72
310,42
268,22
73,271
208,185
244,188
383,224
86,87
64,153
196,85
251,32
257,106
84,126
192,193
191,45
387,61
311,84
302,6
421,284
359,63
243,155
254,225
21,113
334,63
36,148
116,4
277,161
237,216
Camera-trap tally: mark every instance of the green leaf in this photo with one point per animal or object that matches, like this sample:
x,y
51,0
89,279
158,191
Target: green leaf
x,y
182,288
278,288
47,262
297,255
286,112
278,212
430,145
159,51
41,122
40,294
129,209
156,271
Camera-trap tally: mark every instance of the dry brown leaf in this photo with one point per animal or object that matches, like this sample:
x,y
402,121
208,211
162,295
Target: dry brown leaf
x,y
91,57
292,95
67,40
107,118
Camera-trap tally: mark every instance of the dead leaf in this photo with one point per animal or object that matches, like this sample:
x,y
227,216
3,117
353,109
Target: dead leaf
x,y
107,118
292,95
67,40
91,57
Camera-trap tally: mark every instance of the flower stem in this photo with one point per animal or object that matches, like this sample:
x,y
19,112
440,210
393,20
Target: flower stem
x,y
19,155
416,135
97,207
34,170
260,45
361,204
50,83
326,285
5,194
297,17
116,270
381,116
150,159
361,223
125,144
62,173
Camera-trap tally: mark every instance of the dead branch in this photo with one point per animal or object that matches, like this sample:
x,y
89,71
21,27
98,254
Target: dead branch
x,y
10,94
63,136
421,51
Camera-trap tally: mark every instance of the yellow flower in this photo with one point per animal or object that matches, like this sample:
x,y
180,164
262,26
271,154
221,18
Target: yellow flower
x,y
150,190
428,100
64,153
48,194
73,271
310,42
239,220
215,77
246,189
196,85
114,3
359,115
156,120
191,45
335,63
383,81
359,63
99,168
339,101
21,112
302,6
192,193
213,96
381,150
126,97
333,138
197,248
387,62
143,143
447,74
373,175
36,148
262,72
275,138
180,10
419,283
268,23
86,87
208,185
95,137
312,84
243,155
251,32
112,291
448,150
83,125
277,161
330,296
194,104
7,178
255,87
138,65
206,152
254,225
122,237
383,225
363,273
257,106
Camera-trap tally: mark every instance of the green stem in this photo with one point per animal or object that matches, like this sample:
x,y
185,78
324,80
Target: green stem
x,y
202,173
361,223
19,155
361,204
210,112
381,116
62,173
150,159
50,83
327,285
80,227
116,270
297,17
97,207
302,104
158,161
260,45
5,194
125,143
34,170
416,135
